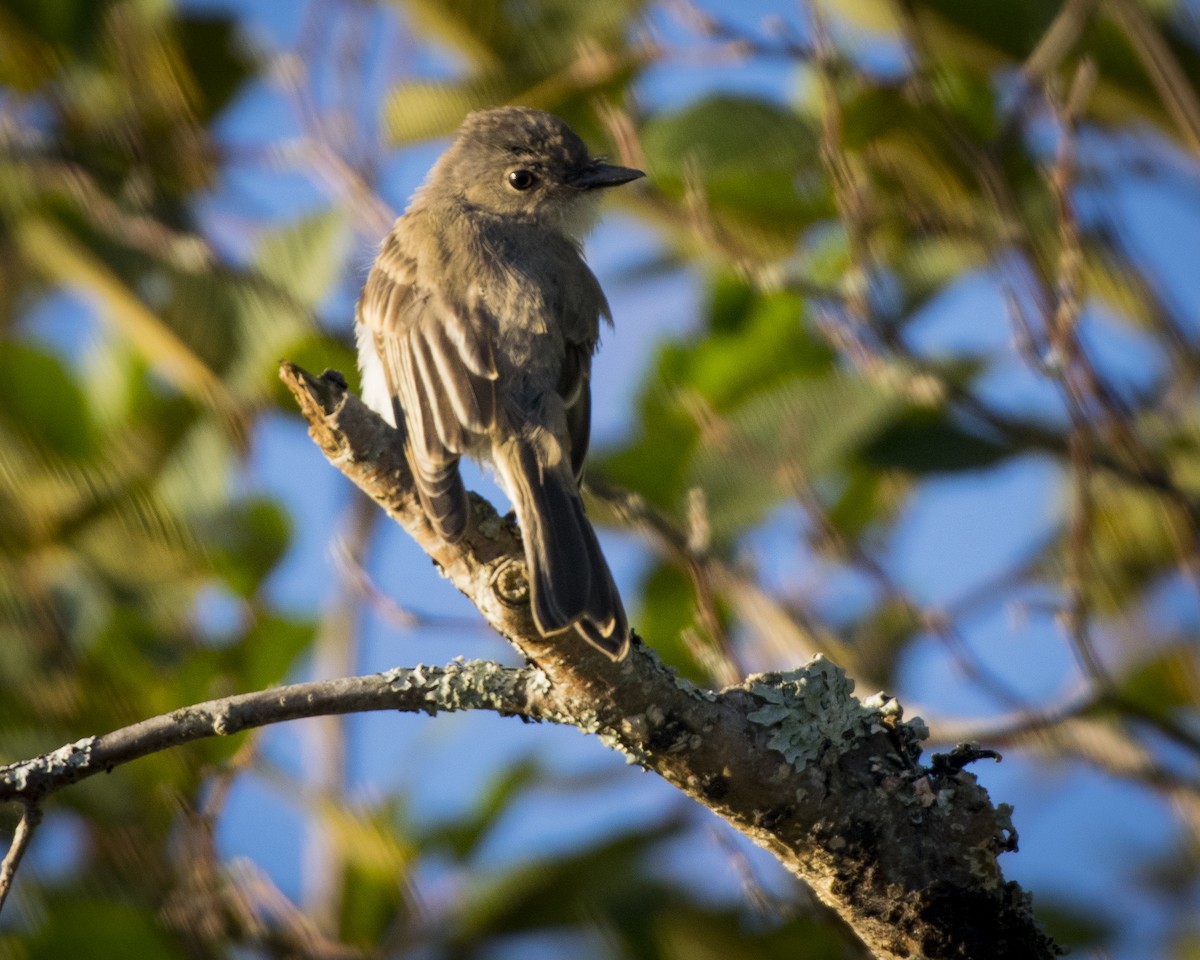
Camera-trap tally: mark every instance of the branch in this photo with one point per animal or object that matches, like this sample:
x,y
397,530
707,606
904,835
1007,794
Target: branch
x,y
31,816
1161,66
831,785
460,685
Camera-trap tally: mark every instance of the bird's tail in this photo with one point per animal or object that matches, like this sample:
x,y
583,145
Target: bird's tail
x,y
569,579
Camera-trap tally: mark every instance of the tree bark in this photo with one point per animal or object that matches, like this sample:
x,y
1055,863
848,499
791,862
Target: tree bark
x,y
831,785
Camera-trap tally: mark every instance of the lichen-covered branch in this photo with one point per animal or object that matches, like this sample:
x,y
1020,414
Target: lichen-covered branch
x,y
831,785
460,685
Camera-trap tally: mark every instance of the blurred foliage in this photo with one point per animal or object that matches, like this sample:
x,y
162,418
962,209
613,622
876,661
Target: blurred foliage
x,y
920,149
553,54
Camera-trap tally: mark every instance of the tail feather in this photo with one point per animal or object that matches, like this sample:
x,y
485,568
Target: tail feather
x,y
569,578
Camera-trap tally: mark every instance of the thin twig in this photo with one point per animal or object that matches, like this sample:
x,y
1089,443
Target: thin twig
x,y
851,196
31,816
335,653
1075,381
778,625
1063,33
1160,64
780,44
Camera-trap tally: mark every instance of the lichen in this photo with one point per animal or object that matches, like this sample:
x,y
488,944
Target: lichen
x,y
468,684
1007,837
632,753
693,691
808,708
72,756
672,676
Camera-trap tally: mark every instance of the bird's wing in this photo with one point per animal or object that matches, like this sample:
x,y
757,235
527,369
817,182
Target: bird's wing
x,y
438,367
575,387
584,309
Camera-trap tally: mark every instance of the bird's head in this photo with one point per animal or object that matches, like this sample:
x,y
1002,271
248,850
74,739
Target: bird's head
x,y
527,164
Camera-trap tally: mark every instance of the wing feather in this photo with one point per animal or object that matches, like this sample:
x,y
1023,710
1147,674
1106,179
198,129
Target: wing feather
x,y
438,369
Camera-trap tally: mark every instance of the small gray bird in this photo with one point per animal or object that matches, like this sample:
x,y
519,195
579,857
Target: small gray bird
x,y
476,330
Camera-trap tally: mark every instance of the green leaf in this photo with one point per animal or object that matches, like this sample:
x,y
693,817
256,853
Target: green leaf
x,y
985,37
371,902
882,637
872,111
541,33
862,501
305,257
62,257
83,929
269,649
717,935
602,880
274,307
1114,280
1074,925
729,135
768,342
367,836
218,58
755,340
1133,541
193,477
70,23
667,608
465,835
41,400
478,29
654,463
141,543
1167,679
528,54
801,429
419,110
26,60
925,441
968,94
749,156
247,540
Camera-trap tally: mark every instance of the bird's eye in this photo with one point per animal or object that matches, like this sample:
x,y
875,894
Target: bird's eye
x,y
521,179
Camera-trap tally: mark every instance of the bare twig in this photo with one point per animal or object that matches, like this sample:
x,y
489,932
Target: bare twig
x,y
324,145
780,43
851,195
776,624
335,653
1063,33
1068,367
31,816
1160,64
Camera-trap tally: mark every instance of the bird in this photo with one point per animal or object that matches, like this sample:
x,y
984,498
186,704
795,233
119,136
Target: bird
x,y
476,329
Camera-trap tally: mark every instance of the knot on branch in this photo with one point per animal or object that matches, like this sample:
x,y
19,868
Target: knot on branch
x,y
510,582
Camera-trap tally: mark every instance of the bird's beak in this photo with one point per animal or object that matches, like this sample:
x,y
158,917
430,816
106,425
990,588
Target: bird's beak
x,y
599,174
